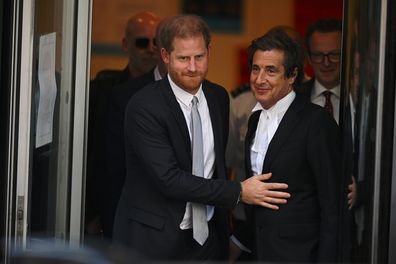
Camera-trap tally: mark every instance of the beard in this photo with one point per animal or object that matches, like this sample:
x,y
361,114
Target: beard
x,y
188,81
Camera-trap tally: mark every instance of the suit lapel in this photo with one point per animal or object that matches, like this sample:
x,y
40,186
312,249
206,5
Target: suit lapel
x,y
174,106
215,117
289,121
252,126
213,111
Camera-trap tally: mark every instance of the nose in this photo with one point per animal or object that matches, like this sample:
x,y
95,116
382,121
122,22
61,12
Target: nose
x,y
191,65
261,77
326,60
152,48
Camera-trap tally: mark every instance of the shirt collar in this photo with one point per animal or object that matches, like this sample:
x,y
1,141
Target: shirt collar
x,y
157,74
318,89
280,107
183,96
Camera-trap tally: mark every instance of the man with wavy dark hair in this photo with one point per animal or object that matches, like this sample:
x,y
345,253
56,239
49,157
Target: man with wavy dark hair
x,y
285,134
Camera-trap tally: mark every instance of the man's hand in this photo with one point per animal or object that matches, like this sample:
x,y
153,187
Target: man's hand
x,y
256,191
352,193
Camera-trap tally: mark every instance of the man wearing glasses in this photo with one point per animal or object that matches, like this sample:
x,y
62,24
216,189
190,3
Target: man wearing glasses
x,y
323,42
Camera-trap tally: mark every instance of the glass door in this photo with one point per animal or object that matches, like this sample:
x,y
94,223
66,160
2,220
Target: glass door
x,y
369,114
48,101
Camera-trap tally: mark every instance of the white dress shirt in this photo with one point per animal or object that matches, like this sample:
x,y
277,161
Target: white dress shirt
x,y
184,99
267,125
317,97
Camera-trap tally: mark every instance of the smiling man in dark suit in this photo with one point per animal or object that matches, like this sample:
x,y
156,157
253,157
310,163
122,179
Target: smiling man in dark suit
x,y
155,215
285,135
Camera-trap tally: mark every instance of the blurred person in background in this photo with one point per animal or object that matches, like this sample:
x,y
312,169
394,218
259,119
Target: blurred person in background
x,y
114,143
139,45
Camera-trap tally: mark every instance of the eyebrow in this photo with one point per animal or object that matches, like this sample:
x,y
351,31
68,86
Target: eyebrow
x,y
191,55
331,51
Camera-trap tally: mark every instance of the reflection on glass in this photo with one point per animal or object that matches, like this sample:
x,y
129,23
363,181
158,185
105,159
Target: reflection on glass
x,y
360,110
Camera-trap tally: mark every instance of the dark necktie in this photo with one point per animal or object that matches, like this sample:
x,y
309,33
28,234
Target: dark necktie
x,y
328,105
199,221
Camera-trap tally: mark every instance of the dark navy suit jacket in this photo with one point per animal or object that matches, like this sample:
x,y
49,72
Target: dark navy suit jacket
x,y
114,171
159,180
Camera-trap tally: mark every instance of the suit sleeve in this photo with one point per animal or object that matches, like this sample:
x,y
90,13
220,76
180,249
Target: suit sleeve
x,y
324,154
245,230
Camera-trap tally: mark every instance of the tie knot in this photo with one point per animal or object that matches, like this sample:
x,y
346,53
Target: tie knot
x,y
194,101
327,94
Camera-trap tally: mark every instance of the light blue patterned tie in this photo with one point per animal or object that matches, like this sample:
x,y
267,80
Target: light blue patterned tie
x,y
199,222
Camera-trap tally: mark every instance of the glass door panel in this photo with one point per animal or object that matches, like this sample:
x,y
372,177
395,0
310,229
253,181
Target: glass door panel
x,y
51,81
368,116
50,135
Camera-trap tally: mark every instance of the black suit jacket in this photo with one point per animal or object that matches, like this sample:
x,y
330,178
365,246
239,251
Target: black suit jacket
x,y
99,91
304,153
306,88
159,180
114,171
345,216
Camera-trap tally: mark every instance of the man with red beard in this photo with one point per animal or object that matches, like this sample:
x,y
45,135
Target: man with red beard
x,y
157,212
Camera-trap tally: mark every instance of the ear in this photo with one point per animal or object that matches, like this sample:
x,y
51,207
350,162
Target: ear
x,y
293,77
209,48
164,55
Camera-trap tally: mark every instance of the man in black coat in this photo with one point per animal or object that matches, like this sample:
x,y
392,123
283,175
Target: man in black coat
x,y
323,42
154,212
139,45
285,135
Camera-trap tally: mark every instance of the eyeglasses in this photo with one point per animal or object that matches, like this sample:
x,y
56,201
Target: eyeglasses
x,y
143,43
318,57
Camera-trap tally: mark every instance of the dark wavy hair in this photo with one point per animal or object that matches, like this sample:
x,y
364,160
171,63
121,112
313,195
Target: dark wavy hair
x,y
278,39
322,26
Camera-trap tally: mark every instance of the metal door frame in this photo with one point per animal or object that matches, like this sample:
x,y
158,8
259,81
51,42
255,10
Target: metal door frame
x,y
378,140
77,30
